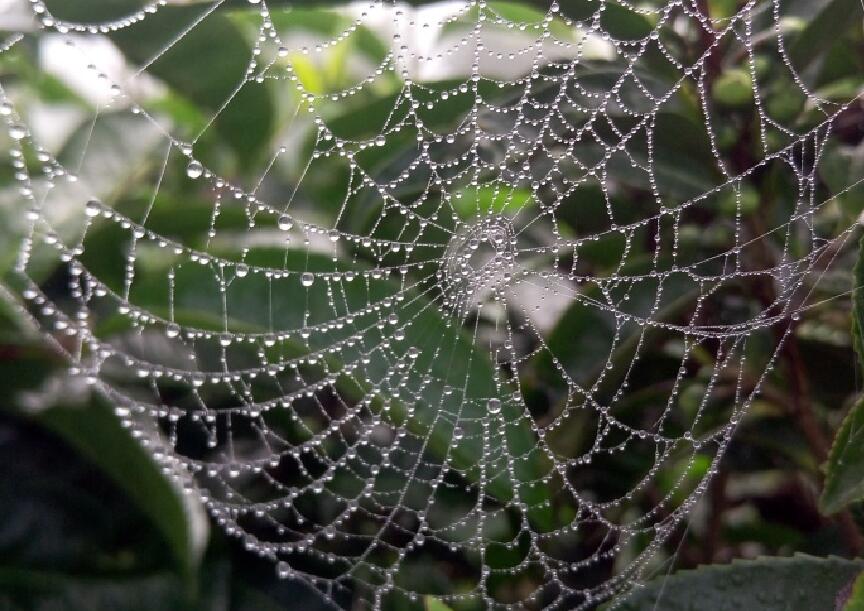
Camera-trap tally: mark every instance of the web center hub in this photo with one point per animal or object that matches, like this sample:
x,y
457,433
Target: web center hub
x,y
479,263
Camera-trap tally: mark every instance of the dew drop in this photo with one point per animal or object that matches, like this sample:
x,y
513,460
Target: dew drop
x,y
307,279
194,169
283,569
17,131
494,406
93,208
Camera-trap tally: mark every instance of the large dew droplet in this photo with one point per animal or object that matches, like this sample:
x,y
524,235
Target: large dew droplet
x,y
307,279
92,208
194,169
17,131
283,569
285,222
494,406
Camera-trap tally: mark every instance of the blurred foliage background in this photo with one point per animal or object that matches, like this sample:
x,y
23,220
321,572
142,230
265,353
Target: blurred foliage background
x,y
89,522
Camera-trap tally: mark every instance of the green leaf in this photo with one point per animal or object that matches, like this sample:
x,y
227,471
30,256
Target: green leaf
x,y
623,23
206,65
767,584
734,87
91,11
858,305
855,602
111,152
433,604
722,9
98,436
28,589
491,199
823,30
844,471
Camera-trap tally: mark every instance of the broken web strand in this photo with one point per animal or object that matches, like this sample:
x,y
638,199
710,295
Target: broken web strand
x,y
228,512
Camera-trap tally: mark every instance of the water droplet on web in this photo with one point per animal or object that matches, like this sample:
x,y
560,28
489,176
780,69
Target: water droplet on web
x,y
307,279
285,222
283,569
494,406
92,208
17,131
194,169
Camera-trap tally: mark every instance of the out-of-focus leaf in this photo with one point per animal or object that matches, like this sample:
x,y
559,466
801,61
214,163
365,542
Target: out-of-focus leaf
x,y
249,306
583,336
767,584
855,602
841,90
433,604
109,152
858,305
841,168
459,363
822,31
722,9
27,589
92,11
844,472
206,65
491,200
519,12
624,23
733,87
104,442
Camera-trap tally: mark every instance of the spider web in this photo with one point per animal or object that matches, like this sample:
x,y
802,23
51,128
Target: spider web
x,y
370,426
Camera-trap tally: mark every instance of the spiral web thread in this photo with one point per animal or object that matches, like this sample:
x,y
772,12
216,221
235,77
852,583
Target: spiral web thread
x,y
385,426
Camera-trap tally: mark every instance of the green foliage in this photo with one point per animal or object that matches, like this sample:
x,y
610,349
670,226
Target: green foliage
x,y
767,584
206,64
734,87
844,472
855,602
823,30
111,449
433,604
